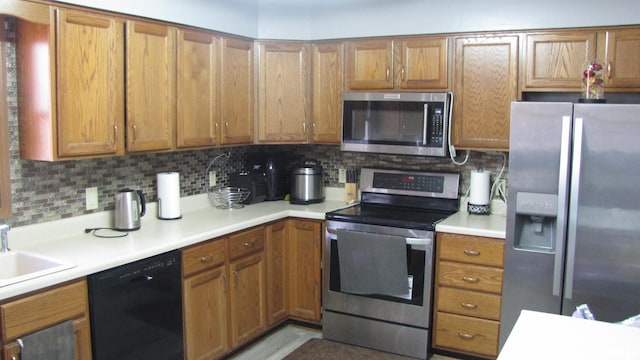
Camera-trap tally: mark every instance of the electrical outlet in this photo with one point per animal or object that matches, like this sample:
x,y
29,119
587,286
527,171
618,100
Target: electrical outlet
x,y
212,178
91,198
342,176
501,188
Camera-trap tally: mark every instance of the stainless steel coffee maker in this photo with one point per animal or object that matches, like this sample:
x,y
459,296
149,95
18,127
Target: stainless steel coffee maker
x,y
130,207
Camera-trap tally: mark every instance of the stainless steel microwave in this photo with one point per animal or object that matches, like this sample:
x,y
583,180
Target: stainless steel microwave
x,y
396,123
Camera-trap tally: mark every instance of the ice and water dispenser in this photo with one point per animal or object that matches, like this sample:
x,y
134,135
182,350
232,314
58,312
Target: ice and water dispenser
x,y
536,221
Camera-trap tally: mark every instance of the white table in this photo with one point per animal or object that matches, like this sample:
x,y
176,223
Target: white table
x,y
539,335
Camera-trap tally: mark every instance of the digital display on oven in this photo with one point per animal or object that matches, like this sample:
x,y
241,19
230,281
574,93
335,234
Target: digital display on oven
x,y
425,183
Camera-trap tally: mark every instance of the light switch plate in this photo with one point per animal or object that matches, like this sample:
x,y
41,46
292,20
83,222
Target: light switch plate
x,y
212,178
91,198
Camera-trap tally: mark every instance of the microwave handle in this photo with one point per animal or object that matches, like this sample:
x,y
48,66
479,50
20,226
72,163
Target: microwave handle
x,y
425,126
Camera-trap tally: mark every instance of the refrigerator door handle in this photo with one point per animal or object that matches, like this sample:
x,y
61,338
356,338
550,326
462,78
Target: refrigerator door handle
x,y
561,219
572,226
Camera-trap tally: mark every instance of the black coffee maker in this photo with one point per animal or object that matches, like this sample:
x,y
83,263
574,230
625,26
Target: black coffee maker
x,y
275,166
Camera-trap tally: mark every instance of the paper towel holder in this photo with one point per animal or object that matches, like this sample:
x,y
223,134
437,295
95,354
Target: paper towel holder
x,y
479,195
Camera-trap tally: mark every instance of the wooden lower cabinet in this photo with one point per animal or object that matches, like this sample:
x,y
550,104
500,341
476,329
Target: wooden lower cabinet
x,y
304,259
32,313
277,294
468,294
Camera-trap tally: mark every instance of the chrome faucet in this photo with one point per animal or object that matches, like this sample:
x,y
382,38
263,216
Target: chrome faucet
x,y
4,229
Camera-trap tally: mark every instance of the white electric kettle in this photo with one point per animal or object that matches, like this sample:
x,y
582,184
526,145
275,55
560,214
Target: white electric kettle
x,y
130,207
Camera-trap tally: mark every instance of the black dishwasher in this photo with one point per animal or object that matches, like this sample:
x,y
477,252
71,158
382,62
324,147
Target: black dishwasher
x,y
136,310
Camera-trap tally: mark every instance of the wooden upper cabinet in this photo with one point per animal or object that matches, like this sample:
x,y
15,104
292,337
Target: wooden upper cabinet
x,y
620,49
151,86
197,86
71,86
422,63
236,91
554,61
485,83
369,64
283,92
326,94
412,63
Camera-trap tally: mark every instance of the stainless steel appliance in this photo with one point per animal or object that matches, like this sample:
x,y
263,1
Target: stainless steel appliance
x,y
379,260
573,235
396,123
307,182
130,207
136,310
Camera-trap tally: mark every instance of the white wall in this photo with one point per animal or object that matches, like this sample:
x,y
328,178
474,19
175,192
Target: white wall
x,y
325,19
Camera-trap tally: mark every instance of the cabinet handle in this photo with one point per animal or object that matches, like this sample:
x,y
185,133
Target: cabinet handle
x,y
134,127
115,134
468,306
466,336
470,279
248,244
226,125
471,252
235,277
205,259
304,127
402,73
609,70
388,72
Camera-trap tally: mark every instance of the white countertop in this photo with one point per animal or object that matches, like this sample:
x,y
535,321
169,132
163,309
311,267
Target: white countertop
x,y
478,225
539,335
65,240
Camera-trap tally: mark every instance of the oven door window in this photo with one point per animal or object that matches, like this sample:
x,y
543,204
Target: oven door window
x,y
415,269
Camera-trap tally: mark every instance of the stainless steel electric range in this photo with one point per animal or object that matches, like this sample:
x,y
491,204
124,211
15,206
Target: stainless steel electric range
x,y
379,260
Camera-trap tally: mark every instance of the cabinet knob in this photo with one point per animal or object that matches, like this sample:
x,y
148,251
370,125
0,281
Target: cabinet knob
x,y
248,244
205,259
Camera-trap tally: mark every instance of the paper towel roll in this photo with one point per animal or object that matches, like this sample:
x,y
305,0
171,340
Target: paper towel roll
x,y
479,188
169,196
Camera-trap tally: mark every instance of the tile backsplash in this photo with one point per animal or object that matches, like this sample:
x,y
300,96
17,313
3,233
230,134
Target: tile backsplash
x,y
46,191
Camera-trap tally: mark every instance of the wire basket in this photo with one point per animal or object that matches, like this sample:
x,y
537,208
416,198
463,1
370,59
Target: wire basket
x,y
228,197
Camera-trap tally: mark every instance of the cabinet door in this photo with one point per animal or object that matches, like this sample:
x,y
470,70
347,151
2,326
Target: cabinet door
x,y
90,84
236,91
283,88
555,60
422,63
206,315
369,64
328,82
304,269
247,298
485,84
276,273
197,84
151,87
621,57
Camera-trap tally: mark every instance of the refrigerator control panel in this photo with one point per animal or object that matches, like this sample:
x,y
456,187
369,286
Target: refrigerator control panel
x,y
536,204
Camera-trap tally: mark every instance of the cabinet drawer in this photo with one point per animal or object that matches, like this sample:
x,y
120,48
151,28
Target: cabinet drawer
x,y
472,277
467,334
471,249
246,242
203,256
32,313
470,303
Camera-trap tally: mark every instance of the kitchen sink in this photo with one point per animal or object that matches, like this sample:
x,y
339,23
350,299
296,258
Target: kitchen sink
x,y
17,266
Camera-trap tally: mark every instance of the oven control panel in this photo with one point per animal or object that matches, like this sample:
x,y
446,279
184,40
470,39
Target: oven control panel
x,y
414,183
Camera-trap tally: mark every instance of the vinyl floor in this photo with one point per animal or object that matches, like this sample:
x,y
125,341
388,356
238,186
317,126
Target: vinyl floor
x,y
280,343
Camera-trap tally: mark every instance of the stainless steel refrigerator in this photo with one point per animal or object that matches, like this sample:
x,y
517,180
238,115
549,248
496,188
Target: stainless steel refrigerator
x,y
573,211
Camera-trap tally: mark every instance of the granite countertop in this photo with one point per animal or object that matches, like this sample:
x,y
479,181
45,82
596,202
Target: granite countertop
x,y
65,240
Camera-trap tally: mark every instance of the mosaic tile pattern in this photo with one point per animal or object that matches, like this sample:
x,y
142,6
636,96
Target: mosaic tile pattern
x,y
46,191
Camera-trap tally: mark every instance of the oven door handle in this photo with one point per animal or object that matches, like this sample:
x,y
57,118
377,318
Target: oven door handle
x,y
419,241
